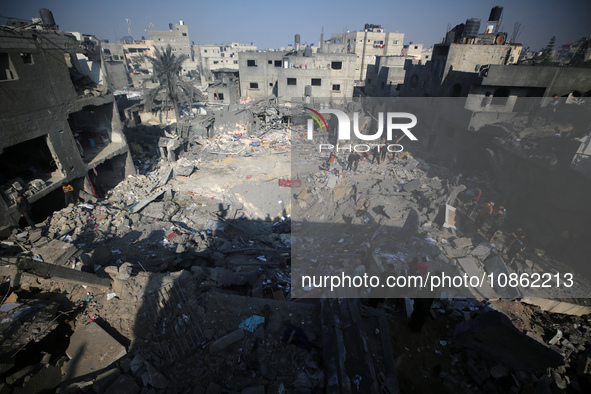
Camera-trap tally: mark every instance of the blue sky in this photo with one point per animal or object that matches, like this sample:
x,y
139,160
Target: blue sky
x,y
271,24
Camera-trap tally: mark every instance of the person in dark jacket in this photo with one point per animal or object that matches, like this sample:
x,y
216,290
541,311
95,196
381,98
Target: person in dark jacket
x,y
24,208
498,219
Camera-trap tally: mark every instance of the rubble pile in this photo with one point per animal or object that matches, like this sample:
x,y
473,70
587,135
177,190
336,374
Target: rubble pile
x,y
180,278
499,346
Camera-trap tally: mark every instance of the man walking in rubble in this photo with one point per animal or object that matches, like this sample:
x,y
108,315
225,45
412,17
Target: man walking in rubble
x,y
350,160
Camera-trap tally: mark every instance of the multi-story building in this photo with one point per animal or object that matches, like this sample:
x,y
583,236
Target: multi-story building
x,y
296,74
413,51
177,37
218,57
366,44
385,78
59,121
565,53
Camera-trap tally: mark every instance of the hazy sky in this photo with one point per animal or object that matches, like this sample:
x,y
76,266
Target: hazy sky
x,y
271,24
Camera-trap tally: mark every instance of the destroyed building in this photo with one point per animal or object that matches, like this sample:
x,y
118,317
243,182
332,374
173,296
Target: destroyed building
x,y
296,74
59,120
366,44
506,122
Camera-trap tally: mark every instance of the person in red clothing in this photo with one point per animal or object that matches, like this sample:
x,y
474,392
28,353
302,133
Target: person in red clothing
x,y
423,268
477,195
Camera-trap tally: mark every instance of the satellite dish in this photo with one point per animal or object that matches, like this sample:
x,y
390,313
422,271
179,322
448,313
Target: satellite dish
x,y
501,38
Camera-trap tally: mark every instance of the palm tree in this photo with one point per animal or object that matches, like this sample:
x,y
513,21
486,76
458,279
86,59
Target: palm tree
x,y
167,70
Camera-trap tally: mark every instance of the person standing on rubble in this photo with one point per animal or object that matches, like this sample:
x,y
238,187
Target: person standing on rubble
x,y
455,181
498,220
24,208
384,148
485,212
356,159
331,158
514,246
350,161
375,154
69,195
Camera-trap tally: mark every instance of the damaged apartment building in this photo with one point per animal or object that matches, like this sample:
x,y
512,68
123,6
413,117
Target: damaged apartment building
x,y
298,74
490,115
59,122
367,45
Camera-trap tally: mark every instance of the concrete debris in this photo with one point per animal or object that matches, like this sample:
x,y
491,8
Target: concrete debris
x,y
91,349
179,277
494,337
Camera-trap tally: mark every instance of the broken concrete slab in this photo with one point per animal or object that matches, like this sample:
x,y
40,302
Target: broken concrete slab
x,y
412,185
142,203
44,381
104,380
226,341
56,252
558,306
411,224
63,274
493,337
460,243
471,268
482,251
123,385
496,266
91,349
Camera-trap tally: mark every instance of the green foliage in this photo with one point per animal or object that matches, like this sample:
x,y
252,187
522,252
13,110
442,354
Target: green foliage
x,y
546,58
167,71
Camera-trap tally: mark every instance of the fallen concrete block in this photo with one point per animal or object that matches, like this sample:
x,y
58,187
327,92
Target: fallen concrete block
x,y
91,349
558,306
184,171
411,224
226,341
57,252
123,385
412,185
460,243
104,380
481,251
496,266
142,203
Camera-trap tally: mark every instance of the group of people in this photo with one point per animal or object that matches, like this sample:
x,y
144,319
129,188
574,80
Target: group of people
x,y
496,216
378,153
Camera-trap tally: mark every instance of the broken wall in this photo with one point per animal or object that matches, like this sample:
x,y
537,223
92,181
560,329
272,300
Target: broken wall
x,y
28,115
